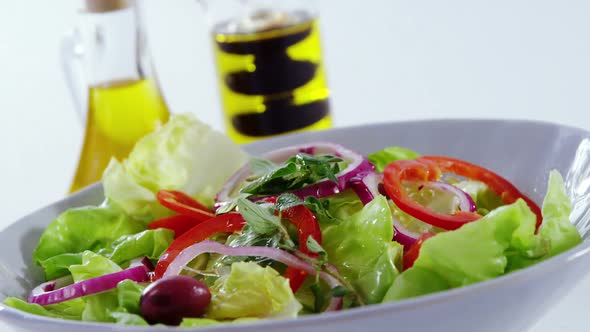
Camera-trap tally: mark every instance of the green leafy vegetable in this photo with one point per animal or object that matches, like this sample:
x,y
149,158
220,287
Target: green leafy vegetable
x,y
76,230
502,241
259,166
117,305
485,199
362,249
285,201
557,227
71,309
297,172
381,158
184,155
149,243
250,290
260,218
314,246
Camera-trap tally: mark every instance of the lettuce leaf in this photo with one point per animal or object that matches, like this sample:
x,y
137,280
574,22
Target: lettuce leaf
x,y
381,158
557,227
149,243
502,241
71,310
118,305
485,199
184,155
80,229
362,249
251,290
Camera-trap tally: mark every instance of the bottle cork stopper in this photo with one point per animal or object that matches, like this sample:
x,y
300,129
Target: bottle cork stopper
x,y
103,6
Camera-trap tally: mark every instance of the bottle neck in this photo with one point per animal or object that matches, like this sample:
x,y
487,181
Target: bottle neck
x,y
113,46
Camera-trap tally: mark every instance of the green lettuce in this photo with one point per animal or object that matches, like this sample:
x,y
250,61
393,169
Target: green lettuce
x,y
381,158
485,199
149,243
71,310
502,241
341,206
184,154
80,229
118,305
251,290
557,227
362,249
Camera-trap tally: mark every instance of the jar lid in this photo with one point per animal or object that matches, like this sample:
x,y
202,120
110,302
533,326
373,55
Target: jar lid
x,y
103,6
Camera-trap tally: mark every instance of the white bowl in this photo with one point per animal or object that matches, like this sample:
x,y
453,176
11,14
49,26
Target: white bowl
x,y
524,152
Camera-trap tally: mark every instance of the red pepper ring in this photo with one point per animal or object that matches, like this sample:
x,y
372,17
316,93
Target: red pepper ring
x,y
499,185
307,225
182,203
179,224
430,168
225,223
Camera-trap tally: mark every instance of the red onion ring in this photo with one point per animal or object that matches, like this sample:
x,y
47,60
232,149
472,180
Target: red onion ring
x,y
366,186
208,246
47,293
466,203
403,235
357,164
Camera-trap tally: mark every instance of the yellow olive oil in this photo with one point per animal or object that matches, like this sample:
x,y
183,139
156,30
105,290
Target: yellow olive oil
x,y
119,114
272,80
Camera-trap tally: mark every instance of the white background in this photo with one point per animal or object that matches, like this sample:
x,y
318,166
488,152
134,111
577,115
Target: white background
x,y
386,60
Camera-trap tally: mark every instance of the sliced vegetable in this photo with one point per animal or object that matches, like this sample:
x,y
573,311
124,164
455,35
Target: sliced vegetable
x,y
225,223
307,227
403,235
356,163
413,252
179,224
430,168
207,246
491,242
183,204
466,203
250,290
366,186
184,154
382,158
89,286
362,250
77,230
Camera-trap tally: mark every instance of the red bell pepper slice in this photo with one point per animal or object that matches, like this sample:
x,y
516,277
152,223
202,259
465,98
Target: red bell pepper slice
x,y
179,224
430,168
414,251
225,223
182,203
307,225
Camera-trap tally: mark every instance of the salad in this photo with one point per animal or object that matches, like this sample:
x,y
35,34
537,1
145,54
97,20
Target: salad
x,y
193,232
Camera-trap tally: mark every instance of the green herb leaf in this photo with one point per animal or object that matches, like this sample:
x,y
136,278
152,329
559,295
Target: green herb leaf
x,y
260,218
260,166
321,209
298,171
286,201
314,246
